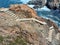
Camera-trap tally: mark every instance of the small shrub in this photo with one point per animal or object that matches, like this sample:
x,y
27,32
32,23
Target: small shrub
x,y
20,40
1,39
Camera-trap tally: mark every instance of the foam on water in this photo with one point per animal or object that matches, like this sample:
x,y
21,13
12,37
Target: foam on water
x,y
45,9
48,14
25,1
31,6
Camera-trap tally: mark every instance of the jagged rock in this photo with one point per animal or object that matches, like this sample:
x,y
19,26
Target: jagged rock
x,y
53,4
37,3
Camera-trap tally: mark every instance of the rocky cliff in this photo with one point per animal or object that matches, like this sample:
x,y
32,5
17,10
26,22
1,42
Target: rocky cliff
x,y
20,25
51,4
37,3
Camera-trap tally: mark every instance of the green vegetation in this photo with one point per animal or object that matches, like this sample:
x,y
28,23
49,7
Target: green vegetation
x,y
1,39
18,41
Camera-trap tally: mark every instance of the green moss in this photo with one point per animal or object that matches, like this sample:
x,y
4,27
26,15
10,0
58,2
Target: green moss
x,y
1,39
20,40
12,43
8,37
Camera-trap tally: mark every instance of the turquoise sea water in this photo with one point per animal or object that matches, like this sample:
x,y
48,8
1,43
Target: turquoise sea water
x,y
7,3
52,15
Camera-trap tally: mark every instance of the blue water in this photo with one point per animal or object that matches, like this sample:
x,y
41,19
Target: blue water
x,y
45,12
52,15
7,3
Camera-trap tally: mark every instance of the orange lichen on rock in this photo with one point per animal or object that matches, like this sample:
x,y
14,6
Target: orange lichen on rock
x,y
23,7
27,9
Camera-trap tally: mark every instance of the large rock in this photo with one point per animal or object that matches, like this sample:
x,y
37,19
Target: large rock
x,y
53,4
37,3
29,32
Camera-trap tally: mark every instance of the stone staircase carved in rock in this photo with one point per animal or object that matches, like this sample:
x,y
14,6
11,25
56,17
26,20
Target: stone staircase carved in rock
x,y
11,14
51,31
24,19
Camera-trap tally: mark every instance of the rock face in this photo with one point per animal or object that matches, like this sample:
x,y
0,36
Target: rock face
x,y
53,4
37,3
26,32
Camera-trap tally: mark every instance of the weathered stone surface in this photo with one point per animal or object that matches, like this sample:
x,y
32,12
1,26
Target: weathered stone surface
x,y
26,32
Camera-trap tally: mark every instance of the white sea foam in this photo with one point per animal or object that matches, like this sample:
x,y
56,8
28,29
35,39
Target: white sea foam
x,y
45,8
31,6
25,1
50,15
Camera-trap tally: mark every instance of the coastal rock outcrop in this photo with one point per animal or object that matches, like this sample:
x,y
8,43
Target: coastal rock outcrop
x,y
37,3
20,25
53,4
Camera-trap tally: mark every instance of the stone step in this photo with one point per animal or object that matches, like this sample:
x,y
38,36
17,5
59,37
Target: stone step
x,y
58,36
51,34
11,14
